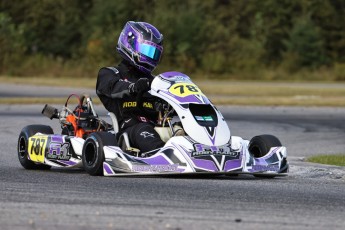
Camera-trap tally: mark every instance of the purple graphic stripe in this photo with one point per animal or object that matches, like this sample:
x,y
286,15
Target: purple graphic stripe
x,y
232,164
107,168
200,163
184,100
205,164
157,160
173,74
260,161
70,163
57,138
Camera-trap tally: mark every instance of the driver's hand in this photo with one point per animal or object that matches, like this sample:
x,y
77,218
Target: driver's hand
x,y
142,85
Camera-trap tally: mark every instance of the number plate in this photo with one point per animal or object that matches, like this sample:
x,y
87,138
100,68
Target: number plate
x,y
37,147
184,89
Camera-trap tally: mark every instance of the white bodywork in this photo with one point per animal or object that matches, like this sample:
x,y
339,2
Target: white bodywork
x,y
201,150
160,88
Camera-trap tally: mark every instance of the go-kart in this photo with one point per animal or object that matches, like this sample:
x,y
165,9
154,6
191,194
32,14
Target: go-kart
x,y
196,135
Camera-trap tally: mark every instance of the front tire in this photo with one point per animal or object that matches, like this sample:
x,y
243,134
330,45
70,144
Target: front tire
x,y
260,145
93,155
22,147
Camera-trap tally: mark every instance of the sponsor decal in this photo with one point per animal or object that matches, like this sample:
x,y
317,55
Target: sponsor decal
x,y
126,121
58,151
133,104
203,118
143,119
155,168
199,118
208,118
148,105
205,150
265,168
179,78
129,104
147,134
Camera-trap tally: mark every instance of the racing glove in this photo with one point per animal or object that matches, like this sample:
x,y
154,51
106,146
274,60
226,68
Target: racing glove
x,y
142,85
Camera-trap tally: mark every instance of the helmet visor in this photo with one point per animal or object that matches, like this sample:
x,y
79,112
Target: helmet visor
x,y
149,51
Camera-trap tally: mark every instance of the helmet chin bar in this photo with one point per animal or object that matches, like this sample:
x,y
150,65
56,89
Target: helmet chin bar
x,y
142,65
134,60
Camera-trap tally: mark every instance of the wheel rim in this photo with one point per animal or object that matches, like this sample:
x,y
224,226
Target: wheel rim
x,y
22,147
90,153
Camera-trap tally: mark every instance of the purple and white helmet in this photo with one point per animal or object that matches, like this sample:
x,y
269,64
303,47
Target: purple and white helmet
x,y
141,44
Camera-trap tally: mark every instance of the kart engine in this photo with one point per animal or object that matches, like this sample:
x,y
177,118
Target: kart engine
x,y
79,122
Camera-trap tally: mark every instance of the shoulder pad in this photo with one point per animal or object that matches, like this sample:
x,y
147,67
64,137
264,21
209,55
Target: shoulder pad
x,y
113,69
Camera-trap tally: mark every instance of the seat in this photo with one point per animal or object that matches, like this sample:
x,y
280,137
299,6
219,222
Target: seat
x,y
122,139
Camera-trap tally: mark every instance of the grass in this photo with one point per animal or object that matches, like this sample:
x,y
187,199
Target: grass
x,y
337,159
220,92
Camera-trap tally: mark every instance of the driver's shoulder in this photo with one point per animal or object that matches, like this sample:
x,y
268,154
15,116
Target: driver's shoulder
x,y
113,69
108,69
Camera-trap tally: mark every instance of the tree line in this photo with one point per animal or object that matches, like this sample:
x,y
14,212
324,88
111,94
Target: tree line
x,y
220,38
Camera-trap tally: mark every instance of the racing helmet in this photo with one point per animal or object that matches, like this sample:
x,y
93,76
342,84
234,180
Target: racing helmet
x,y
141,44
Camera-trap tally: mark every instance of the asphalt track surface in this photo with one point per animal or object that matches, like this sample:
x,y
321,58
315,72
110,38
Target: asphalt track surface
x,y
311,197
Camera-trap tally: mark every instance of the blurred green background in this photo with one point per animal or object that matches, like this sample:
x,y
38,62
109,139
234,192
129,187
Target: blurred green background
x,y
208,39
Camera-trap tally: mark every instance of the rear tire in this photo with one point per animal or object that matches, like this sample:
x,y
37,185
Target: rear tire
x,y
22,147
93,155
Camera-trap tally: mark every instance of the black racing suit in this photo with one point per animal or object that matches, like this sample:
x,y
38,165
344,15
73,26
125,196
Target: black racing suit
x,y
112,89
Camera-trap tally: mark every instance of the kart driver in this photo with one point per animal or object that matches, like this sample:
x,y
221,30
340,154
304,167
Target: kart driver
x,y
140,46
